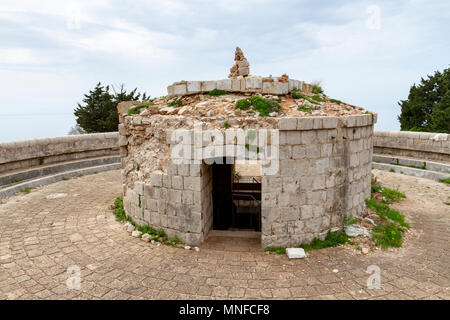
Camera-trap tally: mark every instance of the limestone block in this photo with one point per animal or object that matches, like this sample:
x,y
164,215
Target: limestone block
x,y
192,183
330,122
242,64
179,89
193,86
293,137
177,182
298,152
123,130
194,170
275,87
289,123
151,204
207,86
183,170
236,85
253,84
285,152
170,91
295,253
224,84
156,179
305,123
123,141
139,187
167,181
318,122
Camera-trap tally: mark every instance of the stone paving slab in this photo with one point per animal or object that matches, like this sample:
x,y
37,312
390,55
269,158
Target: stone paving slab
x,y
40,238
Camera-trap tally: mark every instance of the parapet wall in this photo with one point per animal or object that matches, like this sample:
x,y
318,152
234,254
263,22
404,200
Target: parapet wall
x,y
418,145
251,84
30,153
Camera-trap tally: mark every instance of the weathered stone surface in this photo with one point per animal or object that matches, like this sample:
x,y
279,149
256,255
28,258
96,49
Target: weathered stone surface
x,y
295,253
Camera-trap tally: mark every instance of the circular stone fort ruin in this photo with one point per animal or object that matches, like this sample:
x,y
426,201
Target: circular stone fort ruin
x,y
269,154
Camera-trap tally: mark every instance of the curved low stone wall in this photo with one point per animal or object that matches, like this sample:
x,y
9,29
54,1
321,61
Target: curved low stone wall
x,y
35,152
418,145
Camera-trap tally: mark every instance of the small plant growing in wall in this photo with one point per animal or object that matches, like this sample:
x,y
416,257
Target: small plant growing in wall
x,y
262,105
217,92
226,125
137,109
174,103
305,108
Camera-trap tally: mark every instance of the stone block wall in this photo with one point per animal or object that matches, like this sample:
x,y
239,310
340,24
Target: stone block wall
x,y
325,169
418,145
252,84
34,152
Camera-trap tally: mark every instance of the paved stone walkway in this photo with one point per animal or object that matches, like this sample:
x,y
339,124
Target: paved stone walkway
x,y
40,238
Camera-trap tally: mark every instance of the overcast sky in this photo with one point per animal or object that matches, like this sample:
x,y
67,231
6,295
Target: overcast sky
x,y
367,53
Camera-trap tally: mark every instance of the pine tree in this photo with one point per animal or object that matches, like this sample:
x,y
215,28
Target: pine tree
x,y
428,105
99,112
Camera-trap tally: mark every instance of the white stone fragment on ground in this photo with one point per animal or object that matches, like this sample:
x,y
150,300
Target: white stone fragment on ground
x,y
145,237
187,248
152,242
136,233
365,250
130,228
370,220
335,270
353,231
295,253
56,196
197,249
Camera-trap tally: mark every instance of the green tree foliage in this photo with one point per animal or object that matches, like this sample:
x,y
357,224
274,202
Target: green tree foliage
x,y
99,110
428,105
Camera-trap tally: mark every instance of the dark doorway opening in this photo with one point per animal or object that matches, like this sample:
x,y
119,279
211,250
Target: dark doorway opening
x,y
236,201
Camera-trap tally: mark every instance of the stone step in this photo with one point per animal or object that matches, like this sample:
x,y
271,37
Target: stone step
x,y
403,161
427,174
15,177
41,181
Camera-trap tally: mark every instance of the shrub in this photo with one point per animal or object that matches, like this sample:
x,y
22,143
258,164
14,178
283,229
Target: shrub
x,y
317,98
175,103
317,89
137,109
305,108
217,92
389,235
332,239
336,101
262,105
278,250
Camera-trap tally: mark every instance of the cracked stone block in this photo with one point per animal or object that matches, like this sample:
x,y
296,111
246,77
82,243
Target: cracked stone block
x,y
224,84
253,84
207,86
194,86
179,89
